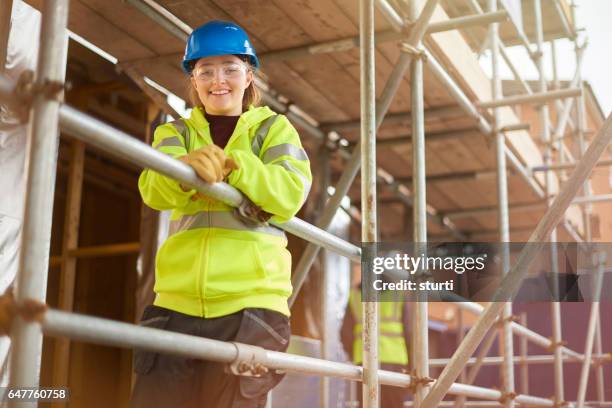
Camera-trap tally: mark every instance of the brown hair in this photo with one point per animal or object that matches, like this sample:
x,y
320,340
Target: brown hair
x,y
251,93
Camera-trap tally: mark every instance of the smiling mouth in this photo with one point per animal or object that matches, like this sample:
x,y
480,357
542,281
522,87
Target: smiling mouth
x,y
220,93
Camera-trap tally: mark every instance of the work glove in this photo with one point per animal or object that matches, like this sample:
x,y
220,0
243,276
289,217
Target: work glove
x,y
210,163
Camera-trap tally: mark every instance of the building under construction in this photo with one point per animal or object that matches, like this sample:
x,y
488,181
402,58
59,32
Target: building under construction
x,y
410,139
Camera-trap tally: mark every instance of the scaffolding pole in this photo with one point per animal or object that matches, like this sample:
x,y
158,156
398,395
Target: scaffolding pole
x,y
96,330
534,98
325,176
524,368
587,215
599,261
506,339
31,281
526,360
420,334
370,389
555,307
513,279
568,166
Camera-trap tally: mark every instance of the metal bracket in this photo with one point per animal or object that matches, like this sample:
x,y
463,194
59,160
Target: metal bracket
x,y
29,309
554,345
251,214
27,88
510,319
559,404
415,381
414,51
507,396
249,361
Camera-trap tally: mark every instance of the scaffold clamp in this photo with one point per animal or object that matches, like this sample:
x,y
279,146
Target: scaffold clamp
x,y
507,396
554,344
249,361
559,403
29,310
250,213
27,88
510,319
416,381
412,50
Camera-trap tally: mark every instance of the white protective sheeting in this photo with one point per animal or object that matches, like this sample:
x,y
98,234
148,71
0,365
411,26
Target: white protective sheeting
x,y
22,54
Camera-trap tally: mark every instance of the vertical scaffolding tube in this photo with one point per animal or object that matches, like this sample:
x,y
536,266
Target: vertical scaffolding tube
x,y
524,366
507,349
325,172
420,338
546,138
31,280
587,213
370,389
599,262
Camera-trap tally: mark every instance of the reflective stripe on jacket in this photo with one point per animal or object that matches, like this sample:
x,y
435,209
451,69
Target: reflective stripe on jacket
x,y
214,264
391,342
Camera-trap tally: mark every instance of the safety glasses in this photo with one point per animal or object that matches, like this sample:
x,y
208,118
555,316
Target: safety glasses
x,y
208,73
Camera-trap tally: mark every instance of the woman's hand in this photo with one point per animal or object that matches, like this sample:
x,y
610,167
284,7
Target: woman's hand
x,y
210,163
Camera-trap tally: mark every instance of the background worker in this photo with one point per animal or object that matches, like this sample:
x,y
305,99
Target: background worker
x,y
220,275
393,339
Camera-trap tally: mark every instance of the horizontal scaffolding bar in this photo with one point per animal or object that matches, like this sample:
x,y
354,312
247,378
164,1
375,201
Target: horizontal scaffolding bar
x,y
442,112
118,143
533,359
429,137
459,176
515,127
538,97
592,199
567,166
473,212
119,334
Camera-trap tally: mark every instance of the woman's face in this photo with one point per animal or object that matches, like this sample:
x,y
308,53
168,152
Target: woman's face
x,y
220,83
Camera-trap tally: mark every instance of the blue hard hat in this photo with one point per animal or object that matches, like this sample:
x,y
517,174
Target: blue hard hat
x,y
218,38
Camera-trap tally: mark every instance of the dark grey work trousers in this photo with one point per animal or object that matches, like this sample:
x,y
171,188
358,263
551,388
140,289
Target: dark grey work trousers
x,y
169,381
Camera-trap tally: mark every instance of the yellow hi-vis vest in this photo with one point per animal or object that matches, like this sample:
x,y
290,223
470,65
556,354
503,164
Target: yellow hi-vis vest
x,y
213,262
391,342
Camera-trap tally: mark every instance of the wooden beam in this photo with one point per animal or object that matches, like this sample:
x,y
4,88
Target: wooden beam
x,y
72,218
125,248
98,251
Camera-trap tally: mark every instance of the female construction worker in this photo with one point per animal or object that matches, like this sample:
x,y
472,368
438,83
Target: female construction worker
x,y
223,273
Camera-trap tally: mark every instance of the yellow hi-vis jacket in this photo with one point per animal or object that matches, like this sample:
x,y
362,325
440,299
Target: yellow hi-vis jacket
x,y
391,342
213,263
